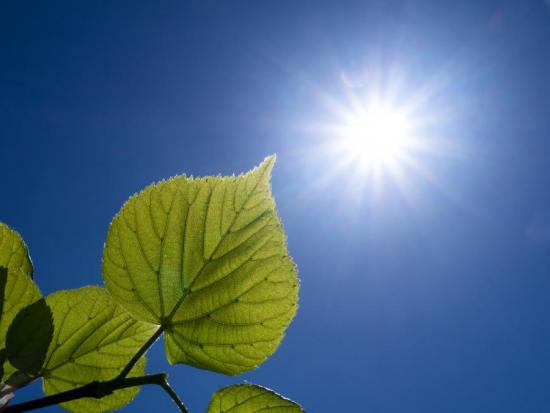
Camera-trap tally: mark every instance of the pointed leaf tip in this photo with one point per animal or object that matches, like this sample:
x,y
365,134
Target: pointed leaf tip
x,y
268,163
271,159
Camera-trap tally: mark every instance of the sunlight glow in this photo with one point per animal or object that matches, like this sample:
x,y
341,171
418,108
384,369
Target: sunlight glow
x,y
376,137
377,134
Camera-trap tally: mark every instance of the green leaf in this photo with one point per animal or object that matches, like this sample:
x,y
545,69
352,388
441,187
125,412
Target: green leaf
x,y
29,337
207,260
17,289
250,398
94,339
13,251
20,291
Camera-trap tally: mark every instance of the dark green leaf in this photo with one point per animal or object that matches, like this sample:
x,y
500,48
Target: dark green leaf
x,y
29,337
20,291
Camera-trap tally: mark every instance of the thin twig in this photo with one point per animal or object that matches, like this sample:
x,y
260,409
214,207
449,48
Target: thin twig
x,y
97,390
166,386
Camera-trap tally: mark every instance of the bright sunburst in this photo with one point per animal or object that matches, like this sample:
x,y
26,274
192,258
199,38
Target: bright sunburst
x,y
379,134
376,136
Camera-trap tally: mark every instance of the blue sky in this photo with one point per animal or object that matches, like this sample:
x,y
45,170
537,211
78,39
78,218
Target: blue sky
x,y
425,293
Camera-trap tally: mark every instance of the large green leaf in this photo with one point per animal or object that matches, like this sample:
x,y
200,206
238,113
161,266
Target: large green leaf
x,y
13,251
94,339
250,398
207,260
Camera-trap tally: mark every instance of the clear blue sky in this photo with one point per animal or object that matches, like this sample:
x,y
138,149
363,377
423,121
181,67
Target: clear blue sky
x,y
428,294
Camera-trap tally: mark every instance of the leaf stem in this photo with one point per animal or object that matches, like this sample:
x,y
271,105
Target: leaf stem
x,y
99,389
170,391
140,353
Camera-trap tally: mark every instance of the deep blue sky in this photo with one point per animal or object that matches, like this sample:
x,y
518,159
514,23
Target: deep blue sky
x,y
432,296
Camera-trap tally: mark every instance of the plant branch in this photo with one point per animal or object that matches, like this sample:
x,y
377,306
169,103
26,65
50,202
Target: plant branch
x,y
99,389
173,395
140,353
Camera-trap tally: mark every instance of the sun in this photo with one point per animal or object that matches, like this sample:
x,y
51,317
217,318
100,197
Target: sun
x,y
381,135
375,137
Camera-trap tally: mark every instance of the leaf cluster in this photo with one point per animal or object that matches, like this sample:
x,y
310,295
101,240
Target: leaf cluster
x,y
201,262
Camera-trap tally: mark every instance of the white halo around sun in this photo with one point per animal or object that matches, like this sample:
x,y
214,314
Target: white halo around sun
x,y
377,137
380,137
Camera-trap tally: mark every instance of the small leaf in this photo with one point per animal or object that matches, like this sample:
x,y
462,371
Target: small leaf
x,y
29,336
17,289
13,251
207,260
20,291
94,339
250,398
